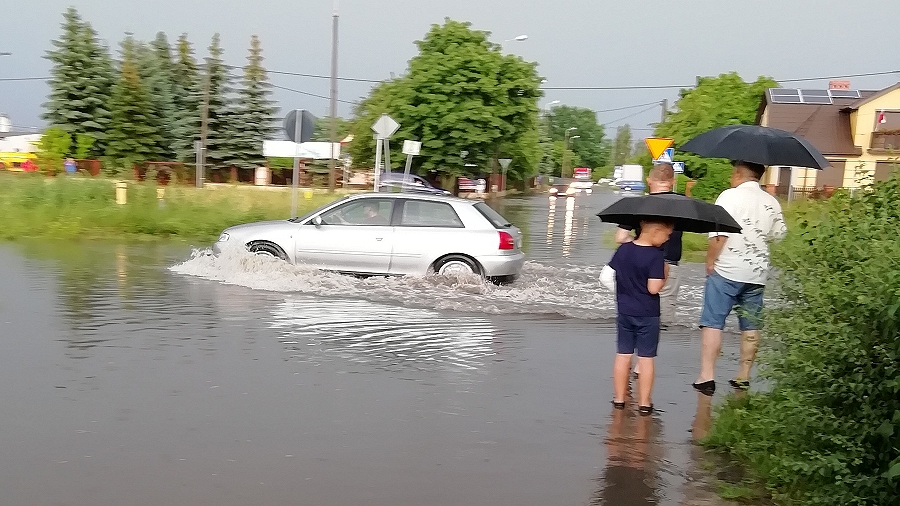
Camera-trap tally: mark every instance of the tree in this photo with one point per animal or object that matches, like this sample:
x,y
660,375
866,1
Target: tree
x,y
253,120
322,132
52,149
589,145
187,97
155,69
460,94
219,113
81,82
621,146
132,136
714,102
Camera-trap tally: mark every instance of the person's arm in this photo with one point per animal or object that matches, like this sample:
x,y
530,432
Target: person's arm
x,y
654,286
623,235
779,228
657,275
713,250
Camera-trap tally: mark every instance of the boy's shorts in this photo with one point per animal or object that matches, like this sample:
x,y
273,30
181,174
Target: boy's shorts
x,y
722,295
637,333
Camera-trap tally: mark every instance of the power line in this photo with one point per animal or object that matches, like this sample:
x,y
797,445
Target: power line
x,y
309,94
627,107
655,105
867,74
24,78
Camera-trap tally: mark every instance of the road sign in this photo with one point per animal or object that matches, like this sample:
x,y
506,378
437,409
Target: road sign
x,y
666,157
412,147
504,162
385,127
299,129
658,145
679,167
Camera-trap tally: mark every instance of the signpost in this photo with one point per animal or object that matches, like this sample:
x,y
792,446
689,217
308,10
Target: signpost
x,y
658,145
384,128
298,127
410,149
504,164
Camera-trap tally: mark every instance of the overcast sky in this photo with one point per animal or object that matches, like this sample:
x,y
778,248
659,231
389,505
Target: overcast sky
x,y
575,42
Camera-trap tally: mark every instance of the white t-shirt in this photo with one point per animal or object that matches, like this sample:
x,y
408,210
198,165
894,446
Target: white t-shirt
x,y
745,256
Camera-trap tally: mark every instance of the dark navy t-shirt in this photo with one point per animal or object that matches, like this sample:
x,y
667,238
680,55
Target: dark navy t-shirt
x,y
634,265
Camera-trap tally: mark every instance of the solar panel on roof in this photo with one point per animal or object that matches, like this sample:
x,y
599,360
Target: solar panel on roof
x,y
814,93
816,100
787,99
784,96
844,93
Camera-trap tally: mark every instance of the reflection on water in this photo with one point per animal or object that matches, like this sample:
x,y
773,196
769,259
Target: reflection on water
x,y
551,218
568,229
386,336
634,453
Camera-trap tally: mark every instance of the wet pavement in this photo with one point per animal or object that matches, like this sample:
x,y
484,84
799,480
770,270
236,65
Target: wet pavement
x,y
143,374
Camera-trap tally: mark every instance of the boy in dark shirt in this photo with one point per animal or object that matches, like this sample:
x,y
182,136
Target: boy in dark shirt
x,y
640,275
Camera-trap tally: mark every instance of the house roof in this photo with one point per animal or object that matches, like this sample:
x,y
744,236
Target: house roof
x,y
872,96
826,126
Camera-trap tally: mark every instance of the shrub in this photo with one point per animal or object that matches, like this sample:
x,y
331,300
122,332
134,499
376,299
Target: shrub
x,y
828,430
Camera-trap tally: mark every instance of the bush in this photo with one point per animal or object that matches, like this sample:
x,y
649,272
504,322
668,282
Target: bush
x,y
716,180
828,431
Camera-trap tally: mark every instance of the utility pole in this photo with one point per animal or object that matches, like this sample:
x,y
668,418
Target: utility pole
x,y
333,109
665,107
204,124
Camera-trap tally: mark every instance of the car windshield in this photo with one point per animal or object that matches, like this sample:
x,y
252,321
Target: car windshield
x,y
492,216
310,214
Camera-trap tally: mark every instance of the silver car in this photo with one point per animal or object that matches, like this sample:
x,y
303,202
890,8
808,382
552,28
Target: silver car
x,y
391,233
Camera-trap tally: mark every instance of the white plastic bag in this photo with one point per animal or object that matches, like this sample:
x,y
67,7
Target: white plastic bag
x,y
608,278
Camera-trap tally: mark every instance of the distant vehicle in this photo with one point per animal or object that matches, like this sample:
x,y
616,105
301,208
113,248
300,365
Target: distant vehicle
x,y
391,233
582,181
398,181
466,185
631,178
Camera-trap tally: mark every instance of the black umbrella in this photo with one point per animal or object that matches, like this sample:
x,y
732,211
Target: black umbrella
x,y
689,215
757,144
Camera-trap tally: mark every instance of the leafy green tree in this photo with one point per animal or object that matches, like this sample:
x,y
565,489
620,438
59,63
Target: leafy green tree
x,y
460,94
590,146
219,147
187,97
81,81
253,120
132,137
84,145
52,149
621,146
714,102
322,132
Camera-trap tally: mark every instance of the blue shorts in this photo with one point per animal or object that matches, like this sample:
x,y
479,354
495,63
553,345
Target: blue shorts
x,y
637,333
722,295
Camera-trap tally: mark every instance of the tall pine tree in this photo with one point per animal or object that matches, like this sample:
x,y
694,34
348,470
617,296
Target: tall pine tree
x,y
188,97
132,139
81,82
219,113
155,70
254,116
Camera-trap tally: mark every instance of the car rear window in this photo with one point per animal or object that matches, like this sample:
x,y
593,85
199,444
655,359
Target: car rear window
x,y
492,216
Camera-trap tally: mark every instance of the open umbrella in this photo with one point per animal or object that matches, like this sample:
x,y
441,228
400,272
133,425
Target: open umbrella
x,y
689,215
757,144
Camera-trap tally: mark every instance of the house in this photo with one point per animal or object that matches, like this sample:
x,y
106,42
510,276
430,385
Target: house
x,y
857,131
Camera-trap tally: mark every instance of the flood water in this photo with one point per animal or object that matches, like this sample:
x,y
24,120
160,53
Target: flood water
x,y
156,374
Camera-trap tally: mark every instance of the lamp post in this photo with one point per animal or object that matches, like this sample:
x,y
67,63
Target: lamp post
x,y
562,172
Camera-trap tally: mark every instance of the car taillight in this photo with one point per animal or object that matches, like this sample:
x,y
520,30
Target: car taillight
x,y
507,241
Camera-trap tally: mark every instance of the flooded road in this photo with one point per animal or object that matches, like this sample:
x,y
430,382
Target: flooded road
x,y
144,375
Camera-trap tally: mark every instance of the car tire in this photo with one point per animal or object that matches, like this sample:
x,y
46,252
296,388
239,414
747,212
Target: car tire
x,y
456,264
266,248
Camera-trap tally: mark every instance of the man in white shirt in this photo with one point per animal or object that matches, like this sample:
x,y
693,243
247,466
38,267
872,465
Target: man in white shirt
x,y
737,266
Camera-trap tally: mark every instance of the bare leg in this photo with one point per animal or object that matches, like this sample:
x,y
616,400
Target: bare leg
x,y
620,376
711,346
645,381
749,345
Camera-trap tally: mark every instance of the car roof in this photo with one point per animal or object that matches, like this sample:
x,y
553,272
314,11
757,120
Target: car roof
x,y
414,196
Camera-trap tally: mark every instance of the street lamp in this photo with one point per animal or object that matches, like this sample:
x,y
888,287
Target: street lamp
x,y
562,172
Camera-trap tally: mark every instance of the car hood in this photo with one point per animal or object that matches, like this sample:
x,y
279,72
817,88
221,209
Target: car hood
x,y
257,227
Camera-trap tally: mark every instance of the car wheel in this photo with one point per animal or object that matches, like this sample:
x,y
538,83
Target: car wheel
x,y
456,265
266,248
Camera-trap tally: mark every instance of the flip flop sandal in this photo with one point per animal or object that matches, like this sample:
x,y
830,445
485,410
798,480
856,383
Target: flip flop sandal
x,y
645,410
739,384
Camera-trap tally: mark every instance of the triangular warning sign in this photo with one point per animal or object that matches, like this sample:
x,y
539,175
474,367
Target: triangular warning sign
x,y
658,145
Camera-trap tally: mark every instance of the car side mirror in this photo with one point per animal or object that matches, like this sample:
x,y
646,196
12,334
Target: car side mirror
x,y
317,221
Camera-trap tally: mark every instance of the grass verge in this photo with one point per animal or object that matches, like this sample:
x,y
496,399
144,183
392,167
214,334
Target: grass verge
x,y
35,206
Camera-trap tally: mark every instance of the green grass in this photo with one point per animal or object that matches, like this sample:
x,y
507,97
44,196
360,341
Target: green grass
x,y
34,206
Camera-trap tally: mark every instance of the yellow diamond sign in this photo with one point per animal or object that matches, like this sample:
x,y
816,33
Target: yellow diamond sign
x,y
658,145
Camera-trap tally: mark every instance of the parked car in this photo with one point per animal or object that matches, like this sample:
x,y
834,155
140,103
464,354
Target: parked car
x,y
631,186
391,233
398,181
